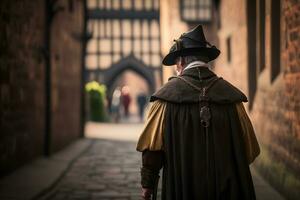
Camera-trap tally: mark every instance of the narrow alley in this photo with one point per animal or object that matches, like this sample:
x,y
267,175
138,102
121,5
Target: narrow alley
x,y
109,168
77,78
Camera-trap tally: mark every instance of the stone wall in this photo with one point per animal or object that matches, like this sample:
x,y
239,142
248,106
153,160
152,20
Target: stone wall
x,y
234,26
172,27
66,73
22,79
276,104
276,111
22,102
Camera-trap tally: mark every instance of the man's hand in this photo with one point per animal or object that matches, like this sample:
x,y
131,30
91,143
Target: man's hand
x,y
147,193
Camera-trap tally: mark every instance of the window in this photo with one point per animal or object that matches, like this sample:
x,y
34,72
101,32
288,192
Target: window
x,y
251,43
196,10
121,29
70,5
228,44
275,39
261,34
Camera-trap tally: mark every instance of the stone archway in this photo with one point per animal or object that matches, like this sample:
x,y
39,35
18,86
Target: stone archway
x,y
129,63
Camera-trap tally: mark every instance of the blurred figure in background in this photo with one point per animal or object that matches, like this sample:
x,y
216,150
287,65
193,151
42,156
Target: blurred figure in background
x,y
141,101
126,100
115,105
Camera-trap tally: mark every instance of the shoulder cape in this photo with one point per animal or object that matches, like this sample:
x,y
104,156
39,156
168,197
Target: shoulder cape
x,y
177,91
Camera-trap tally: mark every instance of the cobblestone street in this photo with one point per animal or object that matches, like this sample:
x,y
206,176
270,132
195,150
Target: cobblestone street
x,y
78,79
109,169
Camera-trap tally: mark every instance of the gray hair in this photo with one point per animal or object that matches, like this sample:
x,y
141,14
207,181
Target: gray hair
x,y
189,59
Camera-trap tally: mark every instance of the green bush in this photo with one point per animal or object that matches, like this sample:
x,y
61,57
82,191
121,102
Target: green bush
x,y
97,97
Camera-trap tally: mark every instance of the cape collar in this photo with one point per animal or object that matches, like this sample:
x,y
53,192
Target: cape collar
x,y
196,64
177,91
195,72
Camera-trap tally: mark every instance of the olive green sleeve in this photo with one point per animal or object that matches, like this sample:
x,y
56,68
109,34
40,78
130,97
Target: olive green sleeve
x,y
251,144
151,137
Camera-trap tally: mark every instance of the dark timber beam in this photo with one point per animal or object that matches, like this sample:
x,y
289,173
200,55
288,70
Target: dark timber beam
x,y
122,14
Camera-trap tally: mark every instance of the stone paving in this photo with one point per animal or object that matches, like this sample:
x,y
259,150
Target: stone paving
x,y
109,170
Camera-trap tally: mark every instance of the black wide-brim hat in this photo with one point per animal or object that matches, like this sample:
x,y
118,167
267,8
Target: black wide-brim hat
x,y
191,43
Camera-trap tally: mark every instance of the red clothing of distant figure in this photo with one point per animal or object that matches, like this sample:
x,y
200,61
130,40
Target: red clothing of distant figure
x,y
126,100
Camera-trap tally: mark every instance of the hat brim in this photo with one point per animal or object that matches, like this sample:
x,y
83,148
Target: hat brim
x,y
210,53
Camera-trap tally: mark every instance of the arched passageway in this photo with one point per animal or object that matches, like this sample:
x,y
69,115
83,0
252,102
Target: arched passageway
x,y
130,63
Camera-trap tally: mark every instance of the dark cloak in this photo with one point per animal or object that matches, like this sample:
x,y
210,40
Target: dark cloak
x,y
186,174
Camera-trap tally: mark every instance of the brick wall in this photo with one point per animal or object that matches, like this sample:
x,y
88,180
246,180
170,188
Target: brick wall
x,y
276,112
233,25
22,79
66,73
21,82
172,27
276,104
